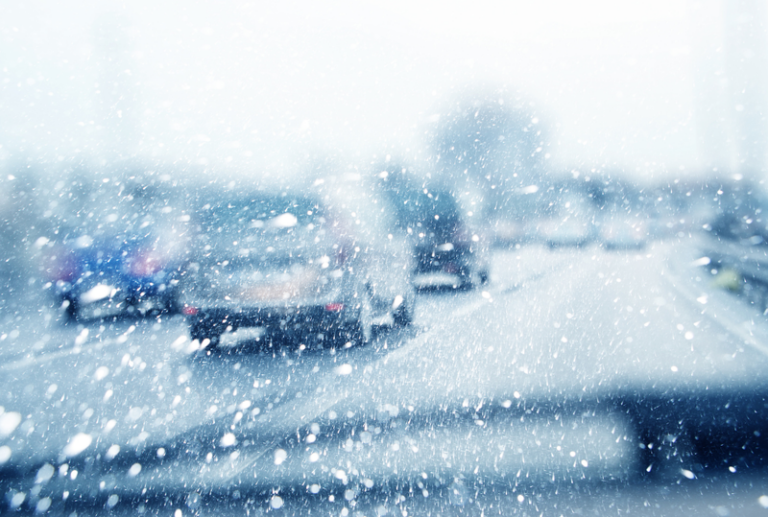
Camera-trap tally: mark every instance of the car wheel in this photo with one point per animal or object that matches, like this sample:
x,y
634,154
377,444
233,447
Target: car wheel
x,y
403,315
171,304
201,332
470,280
349,335
359,332
70,310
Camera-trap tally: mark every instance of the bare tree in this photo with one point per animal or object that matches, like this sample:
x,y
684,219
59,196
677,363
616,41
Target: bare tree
x,y
483,140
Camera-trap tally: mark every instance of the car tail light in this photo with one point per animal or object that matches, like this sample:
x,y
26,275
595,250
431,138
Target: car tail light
x,y
334,307
189,311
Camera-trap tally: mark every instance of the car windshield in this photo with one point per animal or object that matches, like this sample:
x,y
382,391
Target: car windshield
x,y
384,258
256,223
428,209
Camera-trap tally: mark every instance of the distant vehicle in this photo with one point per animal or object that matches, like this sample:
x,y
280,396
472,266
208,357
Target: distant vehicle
x,y
569,220
623,233
666,226
449,251
742,218
124,257
570,231
325,267
505,232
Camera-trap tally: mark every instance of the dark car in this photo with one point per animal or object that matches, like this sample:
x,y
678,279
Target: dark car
x,y
449,251
741,216
120,255
321,267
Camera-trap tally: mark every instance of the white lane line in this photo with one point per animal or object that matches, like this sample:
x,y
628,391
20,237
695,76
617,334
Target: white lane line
x,y
52,356
729,316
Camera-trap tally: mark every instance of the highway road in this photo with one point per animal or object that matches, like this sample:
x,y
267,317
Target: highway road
x,y
572,366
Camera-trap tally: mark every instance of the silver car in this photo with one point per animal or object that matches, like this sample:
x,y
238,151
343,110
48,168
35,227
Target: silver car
x,y
325,267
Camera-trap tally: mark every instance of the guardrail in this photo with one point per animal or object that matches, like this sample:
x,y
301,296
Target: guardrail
x,y
742,270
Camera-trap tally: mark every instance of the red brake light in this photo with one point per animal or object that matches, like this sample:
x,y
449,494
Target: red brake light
x,y
189,311
334,307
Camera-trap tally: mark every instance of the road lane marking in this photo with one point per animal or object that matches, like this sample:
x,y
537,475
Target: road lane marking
x,y
737,329
52,356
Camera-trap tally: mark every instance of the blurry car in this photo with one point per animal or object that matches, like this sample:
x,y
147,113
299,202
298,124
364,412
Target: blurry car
x,y
570,231
449,251
124,256
623,233
322,266
506,232
741,218
666,226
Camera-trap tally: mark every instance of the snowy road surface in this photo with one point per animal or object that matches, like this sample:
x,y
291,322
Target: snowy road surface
x,y
506,381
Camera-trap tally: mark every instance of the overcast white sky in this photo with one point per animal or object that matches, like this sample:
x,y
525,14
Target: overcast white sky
x,y
267,84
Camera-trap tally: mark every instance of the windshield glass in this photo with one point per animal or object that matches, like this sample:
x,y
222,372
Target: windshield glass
x,y
384,258
257,223
428,209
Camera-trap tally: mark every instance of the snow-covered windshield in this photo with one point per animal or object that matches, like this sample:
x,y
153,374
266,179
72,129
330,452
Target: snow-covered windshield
x,y
251,224
384,258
